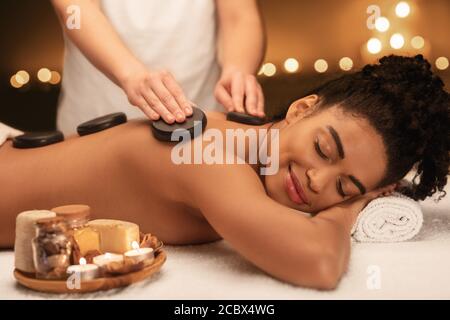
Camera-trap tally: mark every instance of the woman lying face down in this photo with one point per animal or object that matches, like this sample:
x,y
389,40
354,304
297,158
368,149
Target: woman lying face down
x,y
349,141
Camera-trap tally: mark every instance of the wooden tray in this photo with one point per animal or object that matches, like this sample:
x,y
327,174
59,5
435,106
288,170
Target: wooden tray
x,y
60,286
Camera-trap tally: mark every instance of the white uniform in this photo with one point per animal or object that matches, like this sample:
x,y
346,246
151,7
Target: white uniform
x,y
177,35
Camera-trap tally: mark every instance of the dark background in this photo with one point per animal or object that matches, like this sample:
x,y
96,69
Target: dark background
x,y
31,38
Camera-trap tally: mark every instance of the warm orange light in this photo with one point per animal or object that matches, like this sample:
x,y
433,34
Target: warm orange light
x,y
14,82
346,63
269,69
321,65
22,77
374,45
291,65
55,77
442,63
44,75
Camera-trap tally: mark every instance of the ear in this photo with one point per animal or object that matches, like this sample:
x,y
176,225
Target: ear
x,y
301,108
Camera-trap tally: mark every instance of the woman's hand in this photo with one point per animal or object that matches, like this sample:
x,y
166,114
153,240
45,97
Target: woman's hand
x,y
157,94
241,92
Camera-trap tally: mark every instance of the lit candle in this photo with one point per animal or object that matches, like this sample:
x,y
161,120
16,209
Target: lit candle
x,y
104,259
85,271
139,254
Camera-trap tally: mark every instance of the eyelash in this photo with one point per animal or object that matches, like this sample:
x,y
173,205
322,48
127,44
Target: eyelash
x,y
322,155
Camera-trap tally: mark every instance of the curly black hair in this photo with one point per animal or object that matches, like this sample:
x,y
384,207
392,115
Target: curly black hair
x,y
407,105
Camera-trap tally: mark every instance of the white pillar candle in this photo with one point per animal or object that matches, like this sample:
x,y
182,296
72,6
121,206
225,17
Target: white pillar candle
x,y
139,254
25,232
85,271
105,259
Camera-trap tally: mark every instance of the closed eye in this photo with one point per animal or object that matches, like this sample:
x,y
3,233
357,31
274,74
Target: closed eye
x,y
319,151
322,155
339,188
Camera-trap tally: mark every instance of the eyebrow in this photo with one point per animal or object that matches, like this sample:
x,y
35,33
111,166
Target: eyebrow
x,y
338,142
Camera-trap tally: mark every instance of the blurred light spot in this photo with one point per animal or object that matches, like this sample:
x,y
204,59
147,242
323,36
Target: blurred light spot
x,y
55,77
14,82
417,42
346,63
397,41
269,69
442,63
382,24
402,9
291,65
22,77
374,45
44,75
321,65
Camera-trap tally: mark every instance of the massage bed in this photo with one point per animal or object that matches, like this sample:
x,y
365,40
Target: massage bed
x,y
414,269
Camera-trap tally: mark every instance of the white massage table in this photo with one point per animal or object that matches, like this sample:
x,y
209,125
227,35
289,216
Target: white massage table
x,y
417,269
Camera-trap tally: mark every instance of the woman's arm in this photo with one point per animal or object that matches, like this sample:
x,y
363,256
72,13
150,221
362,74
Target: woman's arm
x,y
285,243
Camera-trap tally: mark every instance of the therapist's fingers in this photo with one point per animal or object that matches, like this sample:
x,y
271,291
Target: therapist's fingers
x,y
166,98
223,97
251,96
157,106
175,89
138,101
237,91
260,104
149,111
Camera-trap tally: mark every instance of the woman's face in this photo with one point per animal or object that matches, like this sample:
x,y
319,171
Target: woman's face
x,y
330,155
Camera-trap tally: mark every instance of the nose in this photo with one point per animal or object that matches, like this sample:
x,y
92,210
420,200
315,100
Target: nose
x,y
318,179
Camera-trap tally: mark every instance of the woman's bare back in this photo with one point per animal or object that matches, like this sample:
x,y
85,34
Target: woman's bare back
x,y
122,173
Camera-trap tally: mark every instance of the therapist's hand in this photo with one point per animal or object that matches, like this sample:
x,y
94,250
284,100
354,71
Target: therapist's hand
x,y
157,94
241,92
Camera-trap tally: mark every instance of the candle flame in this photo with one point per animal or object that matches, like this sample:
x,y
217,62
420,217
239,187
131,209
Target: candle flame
x,y
82,261
135,245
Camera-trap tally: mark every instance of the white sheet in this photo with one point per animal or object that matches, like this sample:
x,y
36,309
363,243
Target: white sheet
x,y
416,269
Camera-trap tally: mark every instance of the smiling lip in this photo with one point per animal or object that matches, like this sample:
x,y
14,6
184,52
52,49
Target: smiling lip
x,y
294,189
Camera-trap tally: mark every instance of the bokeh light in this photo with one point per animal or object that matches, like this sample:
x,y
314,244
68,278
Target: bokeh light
x,y
402,9
55,77
442,63
269,69
14,82
382,24
397,41
291,65
374,45
44,75
346,63
321,65
417,42
22,77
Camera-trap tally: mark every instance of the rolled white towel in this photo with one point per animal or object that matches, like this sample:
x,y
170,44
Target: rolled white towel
x,y
7,132
393,218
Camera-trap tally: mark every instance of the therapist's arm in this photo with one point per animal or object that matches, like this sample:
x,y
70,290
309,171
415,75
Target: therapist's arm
x,y
241,50
156,93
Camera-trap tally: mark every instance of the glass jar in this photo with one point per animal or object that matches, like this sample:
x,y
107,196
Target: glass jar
x,y
75,215
52,248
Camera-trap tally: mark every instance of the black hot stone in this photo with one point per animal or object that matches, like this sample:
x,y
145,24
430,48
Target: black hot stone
x,y
246,118
37,139
194,124
101,123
